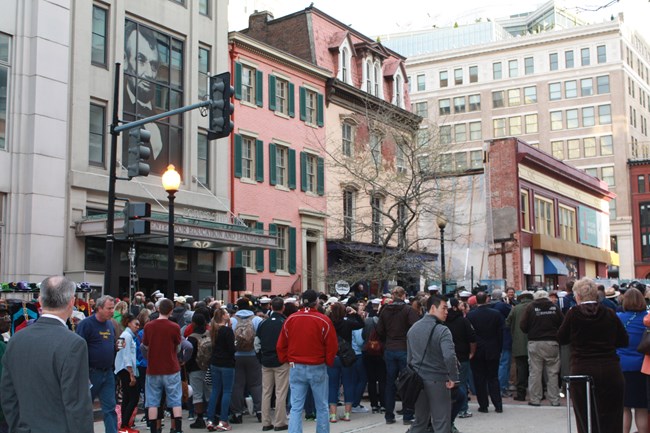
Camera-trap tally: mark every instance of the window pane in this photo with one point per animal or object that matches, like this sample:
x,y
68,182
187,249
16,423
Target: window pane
x,y
421,83
570,89
474,102
458,76
444,79
460,134
573,148
96,135
604,114
204,68
606,145
444,107
475,131
608,175
531,124
572,118
601,53
498,99
553,63
585,58
204,7
557,149
514,97
496,71
203,158
555,91
4,86
445,134
556,120
568,59
459,104
530,95
499,127
603,84
513,68
473,74
98,53
529,64
589,145
586,87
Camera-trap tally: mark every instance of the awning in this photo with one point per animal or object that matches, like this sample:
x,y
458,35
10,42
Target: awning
x,y
554,266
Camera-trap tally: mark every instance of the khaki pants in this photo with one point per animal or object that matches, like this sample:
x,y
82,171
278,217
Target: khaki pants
x,y
543,356
278,378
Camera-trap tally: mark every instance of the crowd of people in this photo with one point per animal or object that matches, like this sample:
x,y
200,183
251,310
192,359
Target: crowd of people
x,y
286,359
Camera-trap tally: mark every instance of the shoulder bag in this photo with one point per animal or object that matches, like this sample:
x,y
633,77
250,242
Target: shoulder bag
x,y
409,383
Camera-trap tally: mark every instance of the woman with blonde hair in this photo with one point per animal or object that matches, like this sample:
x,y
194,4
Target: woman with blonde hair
x,y
594,333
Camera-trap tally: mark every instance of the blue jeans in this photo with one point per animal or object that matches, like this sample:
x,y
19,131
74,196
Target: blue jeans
x,y
504,369
360,380
103,382
464,374
395,362
223,379
301,378
338,374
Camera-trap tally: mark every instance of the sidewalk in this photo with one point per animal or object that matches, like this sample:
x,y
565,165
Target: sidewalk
x,y
516,417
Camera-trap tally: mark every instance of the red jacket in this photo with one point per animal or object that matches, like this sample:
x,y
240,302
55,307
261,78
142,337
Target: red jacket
x,y
307,337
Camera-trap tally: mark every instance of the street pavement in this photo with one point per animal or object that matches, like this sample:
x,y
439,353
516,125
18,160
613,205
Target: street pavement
x,y
516,417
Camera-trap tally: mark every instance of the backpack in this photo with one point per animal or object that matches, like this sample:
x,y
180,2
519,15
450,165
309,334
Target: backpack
x,y
203,349
245,334
374,346
346,353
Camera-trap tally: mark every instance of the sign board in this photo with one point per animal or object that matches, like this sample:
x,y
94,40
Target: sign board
x,y
342,287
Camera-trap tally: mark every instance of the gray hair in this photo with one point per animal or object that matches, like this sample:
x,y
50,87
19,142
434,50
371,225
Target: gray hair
x,y
56,292
102,300
496,295
540,294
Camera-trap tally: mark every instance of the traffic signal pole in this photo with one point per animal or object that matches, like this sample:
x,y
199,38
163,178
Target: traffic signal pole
x,y
215,103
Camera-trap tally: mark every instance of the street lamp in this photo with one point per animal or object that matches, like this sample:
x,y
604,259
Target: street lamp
x,y
442,223
171,181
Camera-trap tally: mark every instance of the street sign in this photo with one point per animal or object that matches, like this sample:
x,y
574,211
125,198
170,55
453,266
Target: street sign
x,y
342,287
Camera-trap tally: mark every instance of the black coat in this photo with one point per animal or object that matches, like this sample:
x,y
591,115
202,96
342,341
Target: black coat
x,y
488,325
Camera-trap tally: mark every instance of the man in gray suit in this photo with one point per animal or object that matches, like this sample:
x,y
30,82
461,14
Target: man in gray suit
x,y
44,382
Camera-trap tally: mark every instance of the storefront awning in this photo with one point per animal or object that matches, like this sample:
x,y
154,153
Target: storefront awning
x,y
554,266
188,232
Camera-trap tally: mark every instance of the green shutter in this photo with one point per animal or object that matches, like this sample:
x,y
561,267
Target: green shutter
x,y
237,80
321,108
237,155
239,259
272,92
303,105
272,164
259,88
273,253
320,176
292,250
259,160
292,169
292,100
303,171
259,254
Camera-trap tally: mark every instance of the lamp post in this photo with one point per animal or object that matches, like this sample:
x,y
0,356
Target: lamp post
x,y
171,181
442,223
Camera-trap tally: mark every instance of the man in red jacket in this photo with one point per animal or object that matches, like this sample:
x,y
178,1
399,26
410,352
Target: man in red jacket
x,y
308,343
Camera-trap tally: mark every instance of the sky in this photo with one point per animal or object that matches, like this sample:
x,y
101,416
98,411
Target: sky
x,y
378,17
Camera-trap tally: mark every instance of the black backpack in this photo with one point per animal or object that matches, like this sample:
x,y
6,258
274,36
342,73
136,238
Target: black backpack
x,y
346,352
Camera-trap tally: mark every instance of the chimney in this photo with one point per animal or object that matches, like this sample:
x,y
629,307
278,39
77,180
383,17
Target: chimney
x,y
257,21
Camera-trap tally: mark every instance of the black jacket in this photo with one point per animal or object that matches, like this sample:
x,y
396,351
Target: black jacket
x,y
542,320
462,332
395,320
268,332
488,325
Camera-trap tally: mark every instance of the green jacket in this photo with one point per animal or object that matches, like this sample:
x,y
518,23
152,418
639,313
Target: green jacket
x,y
519,337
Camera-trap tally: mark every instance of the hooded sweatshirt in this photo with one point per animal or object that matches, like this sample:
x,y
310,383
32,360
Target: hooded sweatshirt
x,y
395,320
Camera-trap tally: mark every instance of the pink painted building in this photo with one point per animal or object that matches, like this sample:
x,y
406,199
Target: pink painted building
x,y
277,165
366,114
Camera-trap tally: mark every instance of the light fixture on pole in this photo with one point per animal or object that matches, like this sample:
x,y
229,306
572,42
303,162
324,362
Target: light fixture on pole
x,y
171,181
442,223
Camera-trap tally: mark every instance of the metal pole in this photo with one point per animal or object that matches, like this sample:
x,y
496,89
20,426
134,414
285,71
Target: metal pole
x,y
171,265
442,260
110,219
132,273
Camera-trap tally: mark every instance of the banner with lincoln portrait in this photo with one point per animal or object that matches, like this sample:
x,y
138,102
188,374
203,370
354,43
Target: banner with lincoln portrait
x,y
153,84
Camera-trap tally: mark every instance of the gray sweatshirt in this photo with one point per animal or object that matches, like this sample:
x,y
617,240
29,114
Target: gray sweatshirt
x,y
439,363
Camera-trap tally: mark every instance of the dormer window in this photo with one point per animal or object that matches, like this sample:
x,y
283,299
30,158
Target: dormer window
x,y
399,90
377,79
345,60
368,75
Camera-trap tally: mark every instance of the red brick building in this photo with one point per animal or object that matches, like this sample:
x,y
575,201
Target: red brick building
x,y
640,191
550,221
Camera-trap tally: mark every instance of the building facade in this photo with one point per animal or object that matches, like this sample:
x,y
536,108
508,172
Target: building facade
x,y
60,58
278,175
580,94
366,120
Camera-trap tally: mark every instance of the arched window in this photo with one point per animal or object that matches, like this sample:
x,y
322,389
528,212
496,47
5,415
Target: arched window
x,y
377,80
368,77
399,91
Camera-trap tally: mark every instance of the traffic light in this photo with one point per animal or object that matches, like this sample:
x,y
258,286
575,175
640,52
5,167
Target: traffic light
x,y
139,152
221,108
134,222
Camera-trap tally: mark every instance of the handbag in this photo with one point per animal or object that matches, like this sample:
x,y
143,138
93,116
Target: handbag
x,y
644,344
409,383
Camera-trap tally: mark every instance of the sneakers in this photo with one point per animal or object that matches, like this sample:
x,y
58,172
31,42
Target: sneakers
x,y
333,417
199,423
375,409
346,416
259,416
310,417
210,426
360,409
223,426
465,414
